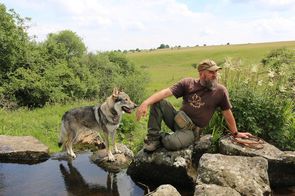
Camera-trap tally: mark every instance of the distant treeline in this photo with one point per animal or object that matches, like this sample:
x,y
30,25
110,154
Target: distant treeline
x,y
58,69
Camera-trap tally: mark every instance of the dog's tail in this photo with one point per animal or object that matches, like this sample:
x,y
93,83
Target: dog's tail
x,y
61,139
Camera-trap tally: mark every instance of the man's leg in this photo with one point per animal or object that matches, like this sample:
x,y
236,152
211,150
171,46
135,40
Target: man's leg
x,y
179,139
159,111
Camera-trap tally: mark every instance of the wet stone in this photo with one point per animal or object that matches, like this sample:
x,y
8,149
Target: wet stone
x,y
22,149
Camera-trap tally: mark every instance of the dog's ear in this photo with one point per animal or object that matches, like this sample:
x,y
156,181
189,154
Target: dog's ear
x,y
115,91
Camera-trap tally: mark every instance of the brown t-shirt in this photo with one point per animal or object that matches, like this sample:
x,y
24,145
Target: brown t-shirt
x,y
199,103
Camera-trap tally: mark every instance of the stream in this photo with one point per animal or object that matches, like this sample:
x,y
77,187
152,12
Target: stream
x,y
81,177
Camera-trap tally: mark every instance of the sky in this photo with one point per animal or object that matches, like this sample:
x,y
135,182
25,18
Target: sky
x,y
145,24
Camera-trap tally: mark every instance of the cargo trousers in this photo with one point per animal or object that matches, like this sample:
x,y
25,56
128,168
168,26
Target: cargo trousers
x,y
179,138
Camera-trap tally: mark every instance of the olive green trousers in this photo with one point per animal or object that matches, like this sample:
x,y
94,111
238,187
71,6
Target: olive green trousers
x,y
179,138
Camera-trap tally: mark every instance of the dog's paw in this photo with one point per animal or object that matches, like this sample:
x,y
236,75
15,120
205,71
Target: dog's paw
x,y
117,151
73,156
111,157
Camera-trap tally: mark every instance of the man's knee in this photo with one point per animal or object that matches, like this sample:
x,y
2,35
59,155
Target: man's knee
x,y
170,144
160,104
178,140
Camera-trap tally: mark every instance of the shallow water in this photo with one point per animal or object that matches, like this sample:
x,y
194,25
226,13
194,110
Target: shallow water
x,y
53,177
81,177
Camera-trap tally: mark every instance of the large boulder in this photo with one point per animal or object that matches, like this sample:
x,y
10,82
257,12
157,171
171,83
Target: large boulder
x,y
229,147
164,167
282,171
22,149
246,175
204,145
281,165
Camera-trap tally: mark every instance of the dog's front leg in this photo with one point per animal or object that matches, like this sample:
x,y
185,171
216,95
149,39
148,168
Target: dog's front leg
x,y
108,149
114,143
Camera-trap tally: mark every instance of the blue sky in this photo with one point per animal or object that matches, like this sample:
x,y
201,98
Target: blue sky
x,y
144,24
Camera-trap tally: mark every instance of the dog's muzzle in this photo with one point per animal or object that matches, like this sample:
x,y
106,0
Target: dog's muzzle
x,y
126,109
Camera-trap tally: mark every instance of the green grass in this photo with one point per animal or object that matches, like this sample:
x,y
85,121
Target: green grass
x,y
167,66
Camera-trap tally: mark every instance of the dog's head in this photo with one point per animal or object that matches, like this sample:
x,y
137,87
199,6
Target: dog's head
x,y
122,101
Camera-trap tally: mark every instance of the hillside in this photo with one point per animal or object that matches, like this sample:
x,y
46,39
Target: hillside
x,y
167,66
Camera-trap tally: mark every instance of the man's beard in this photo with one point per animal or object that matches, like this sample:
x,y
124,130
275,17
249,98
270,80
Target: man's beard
x,y
209,84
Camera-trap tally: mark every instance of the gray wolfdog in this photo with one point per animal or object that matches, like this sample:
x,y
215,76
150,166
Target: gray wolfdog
x,y
105,117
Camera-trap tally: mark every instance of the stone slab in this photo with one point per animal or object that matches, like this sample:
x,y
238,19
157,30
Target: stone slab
x,y
22,149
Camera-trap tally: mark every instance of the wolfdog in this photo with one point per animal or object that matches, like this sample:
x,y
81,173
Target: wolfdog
x,y
105,117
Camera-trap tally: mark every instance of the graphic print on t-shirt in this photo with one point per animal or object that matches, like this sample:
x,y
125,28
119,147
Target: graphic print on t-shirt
x,y
196,101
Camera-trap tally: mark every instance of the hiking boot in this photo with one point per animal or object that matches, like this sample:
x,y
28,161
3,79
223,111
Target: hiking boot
x,y
151,145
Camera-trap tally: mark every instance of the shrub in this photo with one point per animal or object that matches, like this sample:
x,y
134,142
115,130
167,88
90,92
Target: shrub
x,y
278,57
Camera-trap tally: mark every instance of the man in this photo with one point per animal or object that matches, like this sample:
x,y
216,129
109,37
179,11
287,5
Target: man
x,y
201,97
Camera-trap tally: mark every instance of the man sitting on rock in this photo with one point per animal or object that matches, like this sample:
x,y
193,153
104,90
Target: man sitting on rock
x,y
201,97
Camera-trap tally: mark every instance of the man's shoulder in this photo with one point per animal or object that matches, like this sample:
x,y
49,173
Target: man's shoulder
x,y
221,87
189,80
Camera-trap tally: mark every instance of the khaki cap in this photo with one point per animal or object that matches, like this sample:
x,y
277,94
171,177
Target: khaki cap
x,y
208,65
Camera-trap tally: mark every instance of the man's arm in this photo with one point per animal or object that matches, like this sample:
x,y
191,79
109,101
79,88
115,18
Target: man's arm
x,y
231,123
158,96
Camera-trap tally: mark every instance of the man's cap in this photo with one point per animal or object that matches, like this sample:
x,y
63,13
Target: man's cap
x,y
208,65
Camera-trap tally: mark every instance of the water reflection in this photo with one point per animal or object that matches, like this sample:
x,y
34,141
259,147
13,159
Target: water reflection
x,y
62,178
75,183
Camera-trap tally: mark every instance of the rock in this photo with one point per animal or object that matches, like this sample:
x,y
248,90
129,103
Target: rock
x,y
164,167
288,157
165,190
282,171
213,189
281,165
61,156
204,145
247,175
270,152
88,140
265,168
22,149
122,160
88,137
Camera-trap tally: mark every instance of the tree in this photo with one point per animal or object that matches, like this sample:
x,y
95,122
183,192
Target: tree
x,y
13,43
162,46
70,42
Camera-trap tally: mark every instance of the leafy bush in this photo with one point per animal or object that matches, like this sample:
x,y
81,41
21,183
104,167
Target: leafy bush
x,y
278,57
131,133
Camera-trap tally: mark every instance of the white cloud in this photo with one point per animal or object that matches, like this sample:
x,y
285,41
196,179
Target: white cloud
x,y
130,24
278,4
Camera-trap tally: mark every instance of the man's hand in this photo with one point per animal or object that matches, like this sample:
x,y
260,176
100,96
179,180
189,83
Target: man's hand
x,y
143,108
244,135
141,111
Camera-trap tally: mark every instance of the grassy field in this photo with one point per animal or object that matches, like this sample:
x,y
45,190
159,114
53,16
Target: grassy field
x,y
164,67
